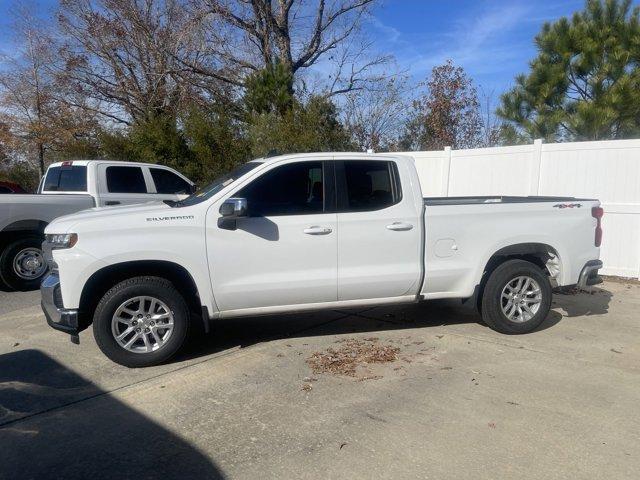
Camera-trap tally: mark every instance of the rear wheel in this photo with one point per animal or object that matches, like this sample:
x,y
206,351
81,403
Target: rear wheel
x,y
22,264
516,298
140,322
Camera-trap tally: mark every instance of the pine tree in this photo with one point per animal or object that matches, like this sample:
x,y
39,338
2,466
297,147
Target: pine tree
x,y
584,83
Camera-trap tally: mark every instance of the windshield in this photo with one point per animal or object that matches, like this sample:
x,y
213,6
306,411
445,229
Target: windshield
x,y
217,185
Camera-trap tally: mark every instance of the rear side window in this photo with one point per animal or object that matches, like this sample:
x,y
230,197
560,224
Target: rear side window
x,y
125,180
5,189
293,189
72,178
169,183
370,185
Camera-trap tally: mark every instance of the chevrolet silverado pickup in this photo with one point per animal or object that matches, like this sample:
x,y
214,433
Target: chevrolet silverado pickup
x,y
69,187
303,232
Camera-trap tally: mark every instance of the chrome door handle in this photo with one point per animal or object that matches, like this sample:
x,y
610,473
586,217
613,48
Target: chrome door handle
x,y
399,226
315,230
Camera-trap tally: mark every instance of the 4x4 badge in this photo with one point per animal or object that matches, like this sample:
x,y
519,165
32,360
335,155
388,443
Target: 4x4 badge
x,y
567,205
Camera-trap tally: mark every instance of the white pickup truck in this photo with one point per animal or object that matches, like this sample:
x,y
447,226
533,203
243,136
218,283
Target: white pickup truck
x,y
69,187
310,231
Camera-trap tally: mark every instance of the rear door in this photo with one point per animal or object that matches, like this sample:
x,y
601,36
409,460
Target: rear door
x,y
379,232
122,185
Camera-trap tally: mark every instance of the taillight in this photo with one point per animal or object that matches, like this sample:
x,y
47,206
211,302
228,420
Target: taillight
x,y
597,213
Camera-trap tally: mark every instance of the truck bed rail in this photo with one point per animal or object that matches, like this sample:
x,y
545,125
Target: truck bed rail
x,y
431,201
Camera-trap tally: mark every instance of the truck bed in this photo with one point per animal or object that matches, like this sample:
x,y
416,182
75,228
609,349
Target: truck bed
x,y
462,233
18,208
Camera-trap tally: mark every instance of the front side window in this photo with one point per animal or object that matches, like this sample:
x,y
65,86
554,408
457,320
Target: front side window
x,y
125,180
370,185
5,189
169,183
66,178
293,189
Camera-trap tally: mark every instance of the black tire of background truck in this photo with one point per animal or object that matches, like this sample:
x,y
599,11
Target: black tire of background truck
x,y
7,256
492,313
156,287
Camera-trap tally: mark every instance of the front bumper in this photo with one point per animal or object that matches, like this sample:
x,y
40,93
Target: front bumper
x,y
57,316
589,274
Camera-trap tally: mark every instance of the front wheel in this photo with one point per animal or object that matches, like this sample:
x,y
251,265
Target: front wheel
x,y
516,298
22,264
141,322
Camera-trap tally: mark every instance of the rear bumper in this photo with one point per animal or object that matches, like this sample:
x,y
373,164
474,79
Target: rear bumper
x,y
589,274
57,316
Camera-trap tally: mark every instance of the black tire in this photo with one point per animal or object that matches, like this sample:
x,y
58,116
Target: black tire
x,y
492,311
156,287
8,274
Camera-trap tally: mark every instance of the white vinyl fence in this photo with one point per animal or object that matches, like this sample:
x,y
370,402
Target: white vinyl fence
x,y
607,170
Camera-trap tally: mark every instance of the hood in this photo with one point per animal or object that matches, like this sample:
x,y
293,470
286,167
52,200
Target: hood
x,y
66,223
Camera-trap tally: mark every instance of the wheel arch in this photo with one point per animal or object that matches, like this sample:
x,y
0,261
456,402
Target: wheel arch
x,y
21,228
534,252
105,278
543,255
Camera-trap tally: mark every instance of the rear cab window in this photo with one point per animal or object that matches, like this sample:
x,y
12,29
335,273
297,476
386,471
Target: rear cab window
x,y
66,178
368,185
125,180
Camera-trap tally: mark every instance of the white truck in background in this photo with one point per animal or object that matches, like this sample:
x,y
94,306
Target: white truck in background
x,y
69,187
304,232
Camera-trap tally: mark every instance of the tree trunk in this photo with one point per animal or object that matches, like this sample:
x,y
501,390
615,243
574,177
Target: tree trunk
x,y
41,158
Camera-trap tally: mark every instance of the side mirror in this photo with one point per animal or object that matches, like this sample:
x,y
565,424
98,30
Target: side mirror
x,y
194,188
234,208
231,210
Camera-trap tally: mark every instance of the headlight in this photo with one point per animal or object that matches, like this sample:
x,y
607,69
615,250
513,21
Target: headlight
x,y
62,240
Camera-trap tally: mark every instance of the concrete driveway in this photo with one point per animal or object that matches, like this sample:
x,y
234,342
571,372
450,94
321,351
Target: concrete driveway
x,y
459,400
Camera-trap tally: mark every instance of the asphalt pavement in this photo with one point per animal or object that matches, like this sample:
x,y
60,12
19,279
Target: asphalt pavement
x,y
455,400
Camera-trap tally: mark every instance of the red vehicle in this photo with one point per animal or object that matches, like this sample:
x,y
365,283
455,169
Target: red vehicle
x,y
10,187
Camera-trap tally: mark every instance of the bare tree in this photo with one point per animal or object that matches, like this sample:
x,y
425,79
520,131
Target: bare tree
x,y
374,117
248,35
36,120
491,128
447,115
123,55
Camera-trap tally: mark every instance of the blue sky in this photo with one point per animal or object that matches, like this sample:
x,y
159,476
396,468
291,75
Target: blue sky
x,y
491,39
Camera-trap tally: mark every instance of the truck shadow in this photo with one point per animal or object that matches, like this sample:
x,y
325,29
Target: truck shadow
x,y
56,424
244,332
575,304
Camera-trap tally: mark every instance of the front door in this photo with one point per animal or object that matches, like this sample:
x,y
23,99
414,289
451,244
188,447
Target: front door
x,y
168,185
285,251
380,237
